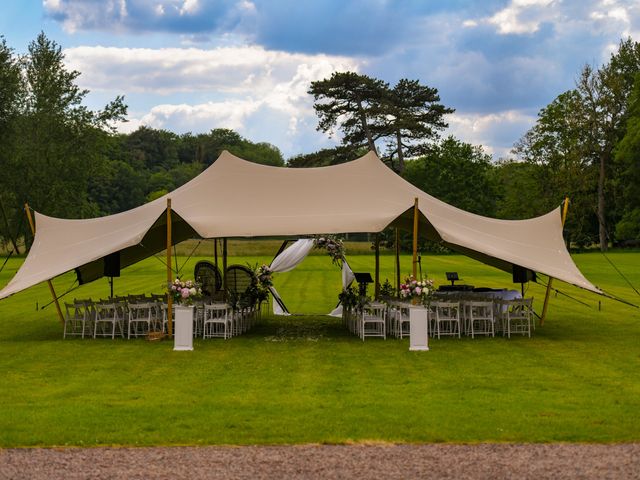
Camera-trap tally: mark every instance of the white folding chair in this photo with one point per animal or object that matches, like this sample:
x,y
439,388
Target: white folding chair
x,y
141,316
480,318
447,318
401,325
109,313
373,321
217,321
519,316
74,320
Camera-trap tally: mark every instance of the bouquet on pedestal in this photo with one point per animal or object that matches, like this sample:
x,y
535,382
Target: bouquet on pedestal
x,y
419,291
184,292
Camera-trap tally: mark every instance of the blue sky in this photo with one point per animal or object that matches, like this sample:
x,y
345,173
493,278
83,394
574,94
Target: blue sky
x,y
194,65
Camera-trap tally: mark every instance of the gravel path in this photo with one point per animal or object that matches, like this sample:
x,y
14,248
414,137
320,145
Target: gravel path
x,y
482,461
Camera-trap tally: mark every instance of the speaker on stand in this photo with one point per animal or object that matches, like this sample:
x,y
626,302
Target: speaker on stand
x,y
112,267
522,275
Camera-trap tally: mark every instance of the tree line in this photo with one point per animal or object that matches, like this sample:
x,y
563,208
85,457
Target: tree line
x,y
68,161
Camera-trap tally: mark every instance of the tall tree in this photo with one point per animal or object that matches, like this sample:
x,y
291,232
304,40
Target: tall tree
x,y
152,149
579,132
61,141
605,94
11,95
349,101
366,110
410,121
627,157
556,145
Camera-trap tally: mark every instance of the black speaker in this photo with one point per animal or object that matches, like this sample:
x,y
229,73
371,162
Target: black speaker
x,y
112,265
522,275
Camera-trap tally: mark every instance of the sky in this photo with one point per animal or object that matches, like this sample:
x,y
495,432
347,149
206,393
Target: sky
x,y
195,65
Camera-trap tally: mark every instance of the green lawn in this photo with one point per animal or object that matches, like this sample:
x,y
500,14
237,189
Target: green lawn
x,y
305,379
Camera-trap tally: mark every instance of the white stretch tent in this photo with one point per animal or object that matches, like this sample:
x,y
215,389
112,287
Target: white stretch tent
x,y
236,198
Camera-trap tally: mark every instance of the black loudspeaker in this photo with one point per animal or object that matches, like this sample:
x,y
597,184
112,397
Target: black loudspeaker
x,y
112,265
522,275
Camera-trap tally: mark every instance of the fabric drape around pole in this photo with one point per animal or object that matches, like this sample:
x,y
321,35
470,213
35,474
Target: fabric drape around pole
x,y
347,278
285,262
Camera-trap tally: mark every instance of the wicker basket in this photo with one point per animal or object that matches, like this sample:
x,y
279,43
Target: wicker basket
x,y
155,336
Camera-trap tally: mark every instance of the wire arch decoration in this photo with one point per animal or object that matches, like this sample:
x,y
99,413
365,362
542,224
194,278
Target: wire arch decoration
x,y
208,275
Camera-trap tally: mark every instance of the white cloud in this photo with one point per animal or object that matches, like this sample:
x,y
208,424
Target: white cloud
x,y
75,17
522,16
258,120
52,5
227,114
248,89
496,132
240,70
189,7
612,16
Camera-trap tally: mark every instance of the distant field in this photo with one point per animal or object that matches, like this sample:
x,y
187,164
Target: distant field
x,y
305,379
257,247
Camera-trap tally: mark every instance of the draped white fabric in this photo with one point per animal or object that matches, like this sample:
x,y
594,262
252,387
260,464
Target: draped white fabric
x,y
292,256
347,278
277,303
285,262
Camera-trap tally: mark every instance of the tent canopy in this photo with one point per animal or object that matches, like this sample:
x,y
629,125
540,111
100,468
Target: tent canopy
x,y
237,198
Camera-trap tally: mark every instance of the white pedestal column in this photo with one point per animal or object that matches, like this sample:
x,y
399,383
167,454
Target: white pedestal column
x,y
419,323
183,328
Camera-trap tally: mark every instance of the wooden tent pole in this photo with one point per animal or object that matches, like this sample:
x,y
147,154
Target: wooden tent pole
x,y
397,262
51,289
169,272
224,265
377,279
215,251
565,207
415,238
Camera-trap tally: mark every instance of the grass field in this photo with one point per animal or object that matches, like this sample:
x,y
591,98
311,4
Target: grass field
x,y
305,379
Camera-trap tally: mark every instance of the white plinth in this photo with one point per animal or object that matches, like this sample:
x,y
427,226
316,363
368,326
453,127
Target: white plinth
x,y
183,328
419,323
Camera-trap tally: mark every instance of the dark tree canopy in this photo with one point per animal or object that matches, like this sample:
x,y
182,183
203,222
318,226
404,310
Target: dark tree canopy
x,y
457,173
627,158
406,117
59,141
411,120
575,137
349,101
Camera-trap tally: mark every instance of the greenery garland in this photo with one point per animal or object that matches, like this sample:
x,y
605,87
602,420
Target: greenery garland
x,y
333,245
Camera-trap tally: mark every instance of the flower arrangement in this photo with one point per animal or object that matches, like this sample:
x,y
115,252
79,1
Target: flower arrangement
x,y
333,245
420,290
263,276
263,282
184,292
